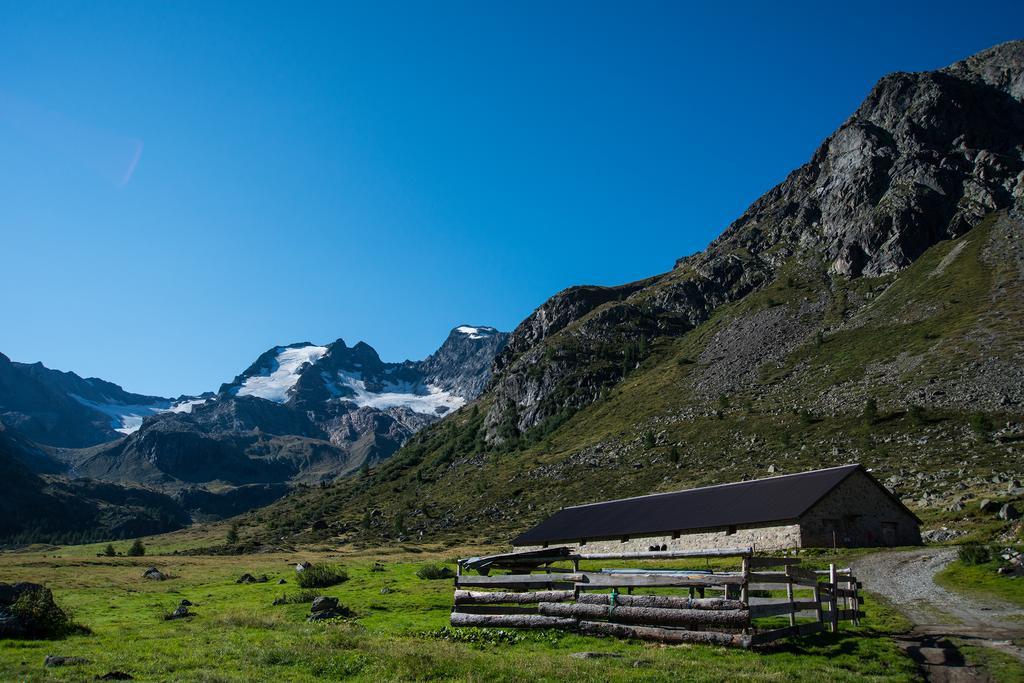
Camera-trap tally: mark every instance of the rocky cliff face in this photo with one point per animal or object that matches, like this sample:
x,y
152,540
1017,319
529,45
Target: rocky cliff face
x,y
925,158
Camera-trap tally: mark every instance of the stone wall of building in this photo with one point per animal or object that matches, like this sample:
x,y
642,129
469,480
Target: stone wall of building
x,y
761,537
858,513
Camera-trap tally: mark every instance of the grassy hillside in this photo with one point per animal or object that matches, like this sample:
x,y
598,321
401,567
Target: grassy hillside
x,y
899,373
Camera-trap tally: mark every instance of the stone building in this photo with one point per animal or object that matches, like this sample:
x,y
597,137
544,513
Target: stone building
x,y
835,507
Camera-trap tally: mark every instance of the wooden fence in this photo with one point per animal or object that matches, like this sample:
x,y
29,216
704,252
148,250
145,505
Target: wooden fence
x,y
764,599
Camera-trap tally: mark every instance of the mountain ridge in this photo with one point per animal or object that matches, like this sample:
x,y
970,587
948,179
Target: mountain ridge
x,y
868,308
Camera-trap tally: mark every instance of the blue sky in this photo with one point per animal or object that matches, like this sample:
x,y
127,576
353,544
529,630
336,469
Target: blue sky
x,y
184,185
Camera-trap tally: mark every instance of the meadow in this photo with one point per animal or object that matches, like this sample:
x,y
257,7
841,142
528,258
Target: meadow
x,y
398,630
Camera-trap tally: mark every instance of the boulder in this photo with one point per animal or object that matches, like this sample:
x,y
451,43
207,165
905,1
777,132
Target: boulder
x,y
302,566
154,574
249,578
58,660
43,620
323,604
325,607
180,612
988,506
1008,512
115,676
185,603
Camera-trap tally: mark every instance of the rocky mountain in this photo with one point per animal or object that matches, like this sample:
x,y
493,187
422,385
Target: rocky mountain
x,y
62,409
868,308
300,413
925,158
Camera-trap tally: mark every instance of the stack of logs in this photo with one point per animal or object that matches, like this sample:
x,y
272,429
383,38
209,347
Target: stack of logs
x,y
590,602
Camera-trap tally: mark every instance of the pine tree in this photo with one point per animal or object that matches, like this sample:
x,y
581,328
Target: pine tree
x,y
232,537
109,550
137,549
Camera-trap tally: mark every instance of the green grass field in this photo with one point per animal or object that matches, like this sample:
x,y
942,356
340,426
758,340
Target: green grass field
x,y
398,631
982,581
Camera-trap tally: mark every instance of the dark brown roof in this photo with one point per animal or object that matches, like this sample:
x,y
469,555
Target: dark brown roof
x,y
775,499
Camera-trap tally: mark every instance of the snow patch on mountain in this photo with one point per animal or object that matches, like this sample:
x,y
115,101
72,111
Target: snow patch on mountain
x,y
125,418
426,399
187,405
476,332
274,383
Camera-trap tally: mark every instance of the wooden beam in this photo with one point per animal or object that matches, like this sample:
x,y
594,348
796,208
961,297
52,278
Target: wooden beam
x,y
664,635
662,601
498,597
510,621
648,615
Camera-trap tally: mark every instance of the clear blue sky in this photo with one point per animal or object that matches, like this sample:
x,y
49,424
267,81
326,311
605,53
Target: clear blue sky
x,y
184,185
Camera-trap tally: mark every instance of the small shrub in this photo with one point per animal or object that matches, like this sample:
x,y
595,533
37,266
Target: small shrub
x,y
973,553
109,550
232,537
432,572
673,455
870,414
981,424
322,576
649,441
137,549
916,415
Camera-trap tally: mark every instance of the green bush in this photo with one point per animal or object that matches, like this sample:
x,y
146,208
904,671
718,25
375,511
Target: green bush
x,y
322,576
137,549
109,550
973,553
434,571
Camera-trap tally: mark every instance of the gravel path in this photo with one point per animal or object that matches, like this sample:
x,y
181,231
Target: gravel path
x,y
906,579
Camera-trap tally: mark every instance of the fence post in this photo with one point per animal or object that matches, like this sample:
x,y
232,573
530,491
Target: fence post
x,y
789,595
744,592
855,600
833,605
817,603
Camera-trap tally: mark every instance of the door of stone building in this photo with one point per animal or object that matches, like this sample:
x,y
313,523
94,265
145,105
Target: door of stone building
x,y
889,533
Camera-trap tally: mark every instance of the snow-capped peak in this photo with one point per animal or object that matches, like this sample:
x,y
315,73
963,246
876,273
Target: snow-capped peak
x,y
476,332
275,382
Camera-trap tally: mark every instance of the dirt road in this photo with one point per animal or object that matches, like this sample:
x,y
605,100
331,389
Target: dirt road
x,y
907,579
